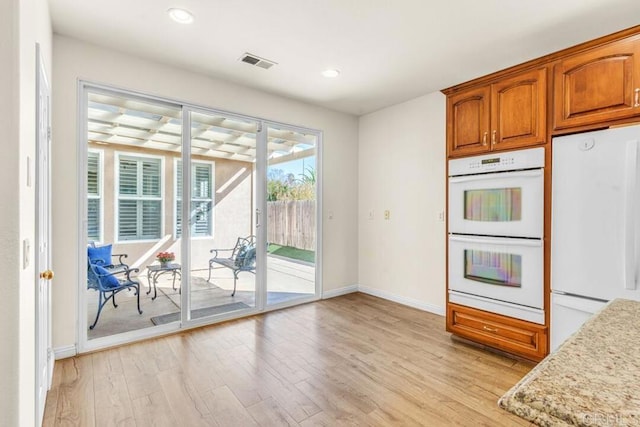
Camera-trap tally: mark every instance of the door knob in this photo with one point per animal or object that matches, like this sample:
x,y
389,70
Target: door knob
x,y
47,275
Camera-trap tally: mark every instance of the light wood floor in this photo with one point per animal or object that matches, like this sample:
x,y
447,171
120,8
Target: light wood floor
x,y
352,360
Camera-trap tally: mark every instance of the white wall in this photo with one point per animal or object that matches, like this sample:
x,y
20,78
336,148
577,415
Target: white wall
x,y
75,60
401,169
10,212
22,24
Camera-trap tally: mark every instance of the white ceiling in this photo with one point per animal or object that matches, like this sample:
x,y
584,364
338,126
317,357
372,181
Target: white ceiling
x,y
388,51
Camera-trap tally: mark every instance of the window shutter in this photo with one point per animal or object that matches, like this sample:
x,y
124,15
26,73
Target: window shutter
x,y
151,219
178,191
151,177
128,177
93,196
127,220
202,182
93,220
179,218
201,212
201,199
93,170
139,204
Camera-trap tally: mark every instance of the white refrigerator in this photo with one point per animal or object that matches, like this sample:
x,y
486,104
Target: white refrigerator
x,y
595,224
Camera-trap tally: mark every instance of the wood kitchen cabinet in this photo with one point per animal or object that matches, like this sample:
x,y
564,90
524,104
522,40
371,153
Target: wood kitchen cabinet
x,y
515,336
468,121
598,85
508,114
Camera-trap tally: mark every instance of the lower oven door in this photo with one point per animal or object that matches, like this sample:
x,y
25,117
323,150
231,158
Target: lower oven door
x,y
503,269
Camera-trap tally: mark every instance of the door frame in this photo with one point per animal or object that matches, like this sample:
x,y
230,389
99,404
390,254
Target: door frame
x,y
43,145
83,343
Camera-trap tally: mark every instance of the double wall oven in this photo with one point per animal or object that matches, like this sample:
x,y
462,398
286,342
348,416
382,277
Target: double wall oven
x,y
496,229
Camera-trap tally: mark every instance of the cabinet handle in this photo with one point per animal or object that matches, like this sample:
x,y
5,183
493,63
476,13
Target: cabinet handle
x,y
484,137
488,329
637,100
493,137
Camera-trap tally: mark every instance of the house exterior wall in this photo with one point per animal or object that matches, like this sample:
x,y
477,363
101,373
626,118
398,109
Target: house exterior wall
x,y
75,60
403,258
232,200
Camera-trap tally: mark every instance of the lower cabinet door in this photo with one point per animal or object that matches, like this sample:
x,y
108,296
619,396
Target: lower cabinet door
x,y
514,336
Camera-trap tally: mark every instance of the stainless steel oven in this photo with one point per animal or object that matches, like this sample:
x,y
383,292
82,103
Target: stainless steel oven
x,y
496,226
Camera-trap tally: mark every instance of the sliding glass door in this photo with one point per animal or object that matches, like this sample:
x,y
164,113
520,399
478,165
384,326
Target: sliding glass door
x,y
190,216
131,147
291,214
221,215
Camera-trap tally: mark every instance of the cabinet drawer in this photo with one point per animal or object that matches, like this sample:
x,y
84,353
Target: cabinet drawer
x,y
511,335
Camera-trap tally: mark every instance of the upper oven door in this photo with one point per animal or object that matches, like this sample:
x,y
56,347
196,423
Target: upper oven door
x,y
498,204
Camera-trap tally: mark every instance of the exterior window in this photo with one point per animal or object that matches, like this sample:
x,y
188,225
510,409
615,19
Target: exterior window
x,y
201,199
139,198
94,196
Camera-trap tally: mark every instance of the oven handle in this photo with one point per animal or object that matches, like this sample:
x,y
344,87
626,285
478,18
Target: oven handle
x,y
514,174
497,241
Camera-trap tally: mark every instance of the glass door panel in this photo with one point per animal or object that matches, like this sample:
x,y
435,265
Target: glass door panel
x,y
131,147
291,215
220,215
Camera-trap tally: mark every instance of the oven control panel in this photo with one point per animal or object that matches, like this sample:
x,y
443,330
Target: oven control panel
x,y
498,162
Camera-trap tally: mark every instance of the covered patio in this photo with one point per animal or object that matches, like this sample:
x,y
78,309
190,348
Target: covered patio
x,y
292,279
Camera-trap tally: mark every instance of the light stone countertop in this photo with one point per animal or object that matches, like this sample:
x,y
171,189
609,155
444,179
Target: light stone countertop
x,y
593,379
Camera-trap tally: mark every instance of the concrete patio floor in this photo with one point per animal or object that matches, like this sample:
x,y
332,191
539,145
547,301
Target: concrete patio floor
x,y
286,280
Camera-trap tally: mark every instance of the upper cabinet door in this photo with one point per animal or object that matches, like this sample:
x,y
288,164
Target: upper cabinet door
x,y
597,86
519,110
468,122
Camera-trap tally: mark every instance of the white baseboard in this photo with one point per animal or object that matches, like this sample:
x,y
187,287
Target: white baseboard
x,y
340,291
65,351
402,300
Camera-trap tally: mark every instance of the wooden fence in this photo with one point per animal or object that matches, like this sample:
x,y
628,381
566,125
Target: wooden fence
x,y
292,223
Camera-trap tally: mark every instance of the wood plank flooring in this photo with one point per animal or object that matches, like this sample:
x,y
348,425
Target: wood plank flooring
x,y
353,360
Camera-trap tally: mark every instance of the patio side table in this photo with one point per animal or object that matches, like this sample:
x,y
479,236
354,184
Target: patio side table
x,y
155,271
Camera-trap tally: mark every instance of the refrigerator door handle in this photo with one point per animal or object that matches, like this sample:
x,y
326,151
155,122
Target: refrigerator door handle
x,y
631,170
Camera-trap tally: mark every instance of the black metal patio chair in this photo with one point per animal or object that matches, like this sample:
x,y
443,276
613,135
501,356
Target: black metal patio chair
x,y
102,255
108,284
242,257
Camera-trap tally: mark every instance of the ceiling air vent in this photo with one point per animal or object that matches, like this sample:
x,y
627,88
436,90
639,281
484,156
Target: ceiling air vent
x,y
252,59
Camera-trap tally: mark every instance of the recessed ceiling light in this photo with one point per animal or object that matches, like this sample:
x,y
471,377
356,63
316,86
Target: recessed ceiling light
x,y
181,16
331,73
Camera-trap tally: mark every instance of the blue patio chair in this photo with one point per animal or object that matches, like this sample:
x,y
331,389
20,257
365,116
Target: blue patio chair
x,y
103,256
108,284
242,258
